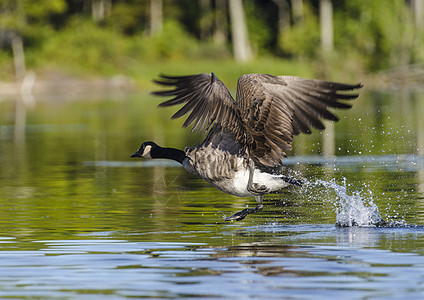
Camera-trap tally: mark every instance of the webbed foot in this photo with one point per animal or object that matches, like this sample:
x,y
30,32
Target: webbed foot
x,y
238,216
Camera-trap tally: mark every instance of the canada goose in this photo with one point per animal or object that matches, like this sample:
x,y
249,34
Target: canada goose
x,y
247,137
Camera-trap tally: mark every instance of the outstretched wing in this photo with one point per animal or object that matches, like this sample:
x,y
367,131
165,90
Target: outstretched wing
x,y
207,100
274,108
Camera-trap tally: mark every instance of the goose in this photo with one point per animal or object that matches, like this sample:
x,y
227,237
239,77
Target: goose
x,y
248,138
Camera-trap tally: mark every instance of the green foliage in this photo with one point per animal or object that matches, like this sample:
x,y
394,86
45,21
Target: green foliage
x,y
42,8
23,15
259,35
368,36
379,32
5,65
303,38
106,51
83,44
172,43
28,19
127,18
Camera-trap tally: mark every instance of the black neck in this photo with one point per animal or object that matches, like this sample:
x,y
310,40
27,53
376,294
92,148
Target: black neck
x,y
169,153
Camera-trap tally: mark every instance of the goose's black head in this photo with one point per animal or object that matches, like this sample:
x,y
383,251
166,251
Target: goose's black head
x,y
145,150
151,150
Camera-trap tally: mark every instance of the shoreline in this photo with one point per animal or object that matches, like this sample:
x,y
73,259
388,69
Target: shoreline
x,y
60,85
65,86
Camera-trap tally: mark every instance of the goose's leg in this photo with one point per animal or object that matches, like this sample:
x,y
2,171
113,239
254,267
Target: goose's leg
x,y
255,189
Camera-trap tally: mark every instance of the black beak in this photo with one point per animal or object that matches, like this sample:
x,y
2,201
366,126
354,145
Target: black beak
x,y
136,154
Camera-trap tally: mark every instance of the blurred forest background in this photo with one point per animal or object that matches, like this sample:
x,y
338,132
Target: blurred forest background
x,y
139,38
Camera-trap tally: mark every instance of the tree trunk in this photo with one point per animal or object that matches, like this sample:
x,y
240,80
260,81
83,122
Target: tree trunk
x,y
283,14
241,46
329,139
220,34
206,19
18,57
418,10
100,9
326,24
297,11
283,19
156,16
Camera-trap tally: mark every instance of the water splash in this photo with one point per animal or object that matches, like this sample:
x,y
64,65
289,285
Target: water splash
x,y
351,209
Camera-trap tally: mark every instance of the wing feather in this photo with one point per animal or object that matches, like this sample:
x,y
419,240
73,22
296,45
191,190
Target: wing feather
x,y
274,108
205,99
269,109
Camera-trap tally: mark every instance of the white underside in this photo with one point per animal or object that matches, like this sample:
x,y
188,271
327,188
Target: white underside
x,y
238,184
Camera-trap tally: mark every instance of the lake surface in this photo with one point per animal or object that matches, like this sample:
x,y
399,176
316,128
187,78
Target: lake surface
x,y
80,219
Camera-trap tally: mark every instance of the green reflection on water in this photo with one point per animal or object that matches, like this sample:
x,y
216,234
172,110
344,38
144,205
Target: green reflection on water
x,y
49,191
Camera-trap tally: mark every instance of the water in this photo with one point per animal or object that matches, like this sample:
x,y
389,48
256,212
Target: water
x,y
79,219
351,210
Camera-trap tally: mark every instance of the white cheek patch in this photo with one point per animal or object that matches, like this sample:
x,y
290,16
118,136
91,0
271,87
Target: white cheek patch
x,y
146,152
